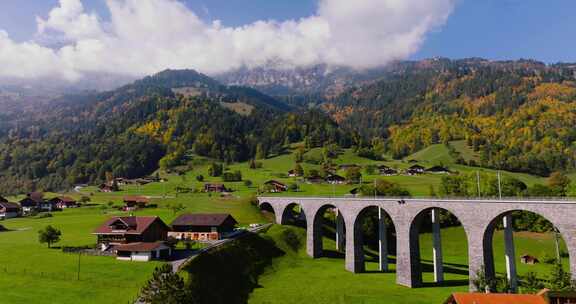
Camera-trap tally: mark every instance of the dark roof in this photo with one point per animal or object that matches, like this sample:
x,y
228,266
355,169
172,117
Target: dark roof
x,y
274,182
136,224
136,198
2,199
416,167
140,246
64,199
200,219
438,169
9,205
335,177
36,196
28,202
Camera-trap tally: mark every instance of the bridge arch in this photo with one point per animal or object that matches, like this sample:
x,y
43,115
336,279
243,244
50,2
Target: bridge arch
x,y
433,219
385,229
294,214
318,227
505,220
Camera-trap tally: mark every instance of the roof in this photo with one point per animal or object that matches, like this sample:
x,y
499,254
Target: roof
x,y
36,196
2,199
416,167
9,205
202,219
335,177
136,224
136,198
140,246
497,298
65,199
438,169
274,182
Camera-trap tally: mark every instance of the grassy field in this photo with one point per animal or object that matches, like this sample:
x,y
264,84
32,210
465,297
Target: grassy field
x,y
296,278
32,273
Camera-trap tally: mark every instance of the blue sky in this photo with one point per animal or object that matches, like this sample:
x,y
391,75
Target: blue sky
x,y
358,34
495,29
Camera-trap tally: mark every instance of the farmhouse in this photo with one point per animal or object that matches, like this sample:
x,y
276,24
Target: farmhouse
x,y
314,179
202,227
131,229
493,298
528,259
33,201
275,186
438,170
63,202
387,171
143,252
133,202
415,170
214,188
9,210
294,173
335,179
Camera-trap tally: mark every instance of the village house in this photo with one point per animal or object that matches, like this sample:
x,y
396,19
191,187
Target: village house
x,y
495,298
105,188
438,170
335,179
415,170
545,296
293,173
315,179
131,229
528,259
133,202
9,210
202,227
143,252
34,201
275,186
215,188
63,202
386,171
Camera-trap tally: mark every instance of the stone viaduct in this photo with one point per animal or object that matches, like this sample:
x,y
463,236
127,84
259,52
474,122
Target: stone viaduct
x,y
478,217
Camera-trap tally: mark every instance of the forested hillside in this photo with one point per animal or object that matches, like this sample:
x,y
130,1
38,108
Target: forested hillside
x,y
159,120
519,115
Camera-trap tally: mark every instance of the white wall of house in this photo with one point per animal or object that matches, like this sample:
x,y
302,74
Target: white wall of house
x,y
8,215
141,256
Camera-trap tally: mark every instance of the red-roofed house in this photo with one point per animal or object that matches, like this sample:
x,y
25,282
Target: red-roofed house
x,y
134,202
63,202
203,227
495,298
143,252
131,229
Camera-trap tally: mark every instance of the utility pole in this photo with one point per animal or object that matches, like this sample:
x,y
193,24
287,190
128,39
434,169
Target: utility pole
x,y
478,183
499,186
557,241
79,255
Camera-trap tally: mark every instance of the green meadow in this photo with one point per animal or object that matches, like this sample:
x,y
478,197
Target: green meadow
x,y
32,273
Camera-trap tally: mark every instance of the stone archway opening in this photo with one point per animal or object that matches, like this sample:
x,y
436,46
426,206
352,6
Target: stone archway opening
x,y
439,249
375,236
294,215
267,211
520,248
329,232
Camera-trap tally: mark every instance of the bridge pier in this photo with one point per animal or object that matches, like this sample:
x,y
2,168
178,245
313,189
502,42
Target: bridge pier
x,y
340,244
354,257
437,246
382,242
510,253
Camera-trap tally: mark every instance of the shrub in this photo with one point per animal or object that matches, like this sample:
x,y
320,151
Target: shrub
x,y
291,239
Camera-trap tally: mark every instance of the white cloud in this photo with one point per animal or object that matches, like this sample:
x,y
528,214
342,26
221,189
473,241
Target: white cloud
x,y
146,36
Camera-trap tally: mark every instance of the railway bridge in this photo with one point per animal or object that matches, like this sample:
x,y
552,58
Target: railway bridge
x,y
479,218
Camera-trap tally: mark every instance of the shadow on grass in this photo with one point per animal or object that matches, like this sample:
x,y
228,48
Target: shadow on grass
x,y
447,283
